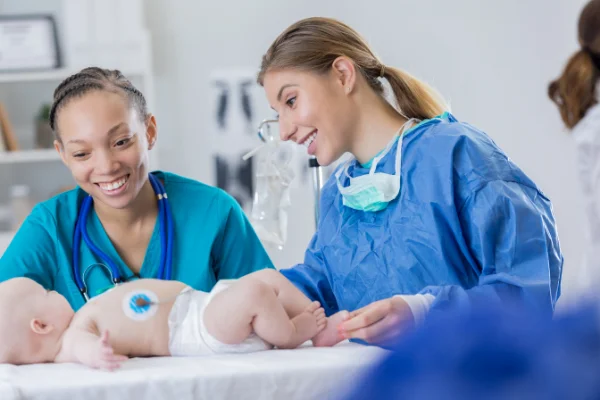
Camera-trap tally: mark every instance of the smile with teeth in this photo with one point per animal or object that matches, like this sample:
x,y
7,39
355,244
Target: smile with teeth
x,y
309,139
114,185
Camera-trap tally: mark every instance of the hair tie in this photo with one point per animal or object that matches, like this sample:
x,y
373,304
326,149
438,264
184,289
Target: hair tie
x,y
382,72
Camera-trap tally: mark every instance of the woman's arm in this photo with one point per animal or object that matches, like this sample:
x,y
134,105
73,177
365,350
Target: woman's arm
x,y
237,251
510,231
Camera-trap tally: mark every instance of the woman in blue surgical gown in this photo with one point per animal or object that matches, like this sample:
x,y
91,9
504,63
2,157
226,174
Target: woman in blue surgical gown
x,y
428,214
576,94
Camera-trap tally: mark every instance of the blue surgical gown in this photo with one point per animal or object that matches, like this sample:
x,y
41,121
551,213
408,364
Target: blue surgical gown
x,y
213,240
467,224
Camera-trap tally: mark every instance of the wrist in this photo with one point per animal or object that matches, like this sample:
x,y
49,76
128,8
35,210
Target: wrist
x,y
418,305
402,309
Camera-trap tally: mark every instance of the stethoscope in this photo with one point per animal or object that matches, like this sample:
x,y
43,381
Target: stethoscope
x,y
166,242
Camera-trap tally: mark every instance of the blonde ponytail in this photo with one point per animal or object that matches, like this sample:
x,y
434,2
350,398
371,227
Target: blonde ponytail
x,y
313,44
415,98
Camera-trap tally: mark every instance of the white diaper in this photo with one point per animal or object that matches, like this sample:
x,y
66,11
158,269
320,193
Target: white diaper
x,y
187,333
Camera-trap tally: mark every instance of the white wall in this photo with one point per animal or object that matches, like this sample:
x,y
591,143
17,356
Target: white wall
x,y
492,59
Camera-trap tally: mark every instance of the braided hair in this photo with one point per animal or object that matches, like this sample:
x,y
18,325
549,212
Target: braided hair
x,y
90,79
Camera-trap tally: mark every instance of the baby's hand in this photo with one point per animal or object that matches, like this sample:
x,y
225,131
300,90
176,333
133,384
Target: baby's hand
x,y
101,355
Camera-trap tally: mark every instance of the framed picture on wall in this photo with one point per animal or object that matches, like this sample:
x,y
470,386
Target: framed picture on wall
x,y
28,42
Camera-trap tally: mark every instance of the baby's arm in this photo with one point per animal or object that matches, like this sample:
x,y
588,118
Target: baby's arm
x,y
83,344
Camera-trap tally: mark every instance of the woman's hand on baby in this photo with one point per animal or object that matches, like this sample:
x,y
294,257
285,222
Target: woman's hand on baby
x,y
102,355
380,322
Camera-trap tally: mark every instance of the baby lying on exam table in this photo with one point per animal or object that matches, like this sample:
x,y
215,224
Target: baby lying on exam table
x,y
149,317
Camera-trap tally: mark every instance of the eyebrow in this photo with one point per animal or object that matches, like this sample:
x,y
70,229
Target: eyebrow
x,y
111,132
282,89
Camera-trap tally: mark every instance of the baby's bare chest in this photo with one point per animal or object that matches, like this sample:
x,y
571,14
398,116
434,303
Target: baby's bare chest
x,y
116,312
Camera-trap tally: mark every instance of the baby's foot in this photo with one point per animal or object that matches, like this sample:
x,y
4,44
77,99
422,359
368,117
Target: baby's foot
x,y
330,335
321,320
307,324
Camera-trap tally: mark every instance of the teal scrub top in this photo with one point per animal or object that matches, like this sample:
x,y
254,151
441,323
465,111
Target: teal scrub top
x,y
213,240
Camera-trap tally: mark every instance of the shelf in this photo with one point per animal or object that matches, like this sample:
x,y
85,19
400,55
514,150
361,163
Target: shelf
x,y
50,75
28,156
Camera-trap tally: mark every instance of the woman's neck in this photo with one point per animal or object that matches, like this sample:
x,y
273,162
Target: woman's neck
x,y
143,206
378,123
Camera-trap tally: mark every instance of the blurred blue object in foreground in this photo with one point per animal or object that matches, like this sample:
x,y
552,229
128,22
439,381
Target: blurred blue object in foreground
x,y
492,353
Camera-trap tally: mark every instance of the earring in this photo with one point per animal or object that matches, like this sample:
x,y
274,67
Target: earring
x,y
347,89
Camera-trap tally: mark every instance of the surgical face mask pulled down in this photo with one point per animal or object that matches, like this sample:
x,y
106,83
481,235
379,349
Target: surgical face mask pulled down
x,y
373,191
272,194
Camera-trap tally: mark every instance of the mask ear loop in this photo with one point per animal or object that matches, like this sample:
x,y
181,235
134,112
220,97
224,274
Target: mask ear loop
x,y
400,135
347,167
376,160
383,153
338,173
407,125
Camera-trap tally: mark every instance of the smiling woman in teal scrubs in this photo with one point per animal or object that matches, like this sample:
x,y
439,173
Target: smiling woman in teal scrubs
x,y
103,135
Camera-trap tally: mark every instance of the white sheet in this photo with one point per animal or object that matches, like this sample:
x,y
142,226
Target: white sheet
x,y
304,373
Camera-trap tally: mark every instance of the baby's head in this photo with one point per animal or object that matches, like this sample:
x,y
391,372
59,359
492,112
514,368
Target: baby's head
x,y
32,321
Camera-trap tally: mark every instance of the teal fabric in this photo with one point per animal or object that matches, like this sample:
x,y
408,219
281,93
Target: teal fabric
x,y
213,240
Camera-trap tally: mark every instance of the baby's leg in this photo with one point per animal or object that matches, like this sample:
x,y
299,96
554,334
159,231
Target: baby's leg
x,y
252,305
293,300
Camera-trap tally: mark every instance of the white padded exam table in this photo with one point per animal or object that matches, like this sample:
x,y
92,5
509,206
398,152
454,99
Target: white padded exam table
x,y
304,373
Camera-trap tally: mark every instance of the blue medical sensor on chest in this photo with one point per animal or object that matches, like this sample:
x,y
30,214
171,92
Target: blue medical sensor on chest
x,y
138,304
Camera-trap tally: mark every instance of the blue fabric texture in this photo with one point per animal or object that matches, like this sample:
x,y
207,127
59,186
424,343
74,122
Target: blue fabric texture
x,y
213,240
467,224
